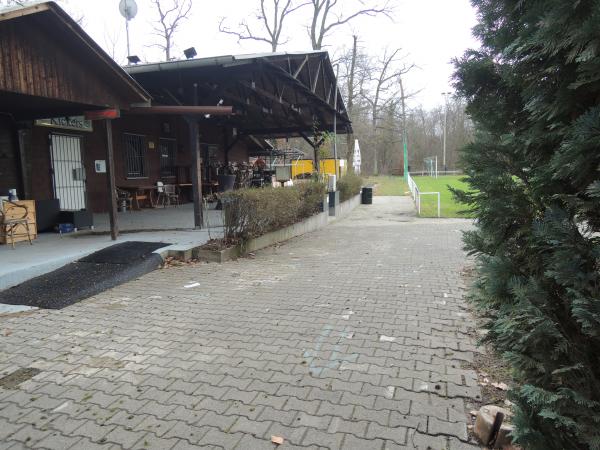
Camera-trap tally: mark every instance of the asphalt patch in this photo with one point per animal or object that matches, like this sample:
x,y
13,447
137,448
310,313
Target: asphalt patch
x,y
125,253
89,276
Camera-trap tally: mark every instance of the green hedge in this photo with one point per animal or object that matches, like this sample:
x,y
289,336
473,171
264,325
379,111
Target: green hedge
x,y
249,213
349,185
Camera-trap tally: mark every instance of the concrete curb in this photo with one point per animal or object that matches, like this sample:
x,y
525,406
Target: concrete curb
x,y
313,223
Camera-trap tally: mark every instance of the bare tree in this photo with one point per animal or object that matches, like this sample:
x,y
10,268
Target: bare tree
x,y
386,73
328,14
270,18
111,39
351,81
63,3
6,3
170,15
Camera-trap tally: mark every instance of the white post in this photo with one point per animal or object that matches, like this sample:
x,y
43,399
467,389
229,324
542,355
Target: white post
x,y
445,127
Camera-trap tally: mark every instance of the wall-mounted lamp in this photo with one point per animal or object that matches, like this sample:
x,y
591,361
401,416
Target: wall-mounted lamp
x,y
190,52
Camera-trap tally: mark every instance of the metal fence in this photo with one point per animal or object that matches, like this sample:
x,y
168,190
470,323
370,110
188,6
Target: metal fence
x,y
416,195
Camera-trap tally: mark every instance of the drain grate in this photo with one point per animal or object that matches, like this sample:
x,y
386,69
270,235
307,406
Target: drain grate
x,y
12,380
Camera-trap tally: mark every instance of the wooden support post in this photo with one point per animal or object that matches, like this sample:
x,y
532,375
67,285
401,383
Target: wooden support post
x,y
196,173
226,145
23,163
110,178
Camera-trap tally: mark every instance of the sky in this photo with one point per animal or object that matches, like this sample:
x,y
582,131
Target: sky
x,y
429,32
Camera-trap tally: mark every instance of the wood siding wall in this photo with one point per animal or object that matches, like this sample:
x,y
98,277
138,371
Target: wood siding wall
x,y
32,64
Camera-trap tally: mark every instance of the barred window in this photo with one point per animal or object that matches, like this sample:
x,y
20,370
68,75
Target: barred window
x,y
135,155
167,148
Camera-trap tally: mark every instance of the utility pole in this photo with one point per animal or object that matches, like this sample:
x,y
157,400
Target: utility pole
x,y
445,94
335,158
404,130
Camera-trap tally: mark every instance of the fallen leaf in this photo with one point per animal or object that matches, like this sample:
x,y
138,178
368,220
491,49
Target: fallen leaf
x,y
277,440
7,332
501,386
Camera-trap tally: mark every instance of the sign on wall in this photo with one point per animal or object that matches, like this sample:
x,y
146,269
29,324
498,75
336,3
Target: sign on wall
x,y
78,123
100,165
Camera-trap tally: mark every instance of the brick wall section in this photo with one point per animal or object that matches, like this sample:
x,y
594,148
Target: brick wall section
x,y
94,148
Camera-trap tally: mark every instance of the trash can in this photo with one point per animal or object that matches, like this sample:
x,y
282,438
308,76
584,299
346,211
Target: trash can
x,y
367,195
226,182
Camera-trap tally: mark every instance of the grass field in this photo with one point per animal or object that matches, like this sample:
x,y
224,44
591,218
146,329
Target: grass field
x,y
449,208
388,185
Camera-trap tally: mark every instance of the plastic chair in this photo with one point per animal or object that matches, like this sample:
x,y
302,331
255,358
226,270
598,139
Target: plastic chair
x,y
160,193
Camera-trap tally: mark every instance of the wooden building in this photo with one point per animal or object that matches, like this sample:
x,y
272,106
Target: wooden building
x,y
169,120
50,68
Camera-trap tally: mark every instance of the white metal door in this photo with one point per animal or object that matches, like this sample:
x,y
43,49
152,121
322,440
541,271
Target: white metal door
x,y
68,171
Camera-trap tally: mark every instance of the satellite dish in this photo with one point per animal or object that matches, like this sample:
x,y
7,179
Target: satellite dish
x,y
128,9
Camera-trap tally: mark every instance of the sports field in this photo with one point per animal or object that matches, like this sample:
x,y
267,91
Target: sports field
x,y
387,185
449,208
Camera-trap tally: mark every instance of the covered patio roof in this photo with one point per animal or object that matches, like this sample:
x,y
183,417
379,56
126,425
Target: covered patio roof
x,y
273,94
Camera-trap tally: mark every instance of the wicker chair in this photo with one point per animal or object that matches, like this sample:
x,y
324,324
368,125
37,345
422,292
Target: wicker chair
x,y
17,219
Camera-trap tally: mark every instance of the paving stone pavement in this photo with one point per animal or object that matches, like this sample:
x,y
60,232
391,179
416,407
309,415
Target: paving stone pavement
x,y
351,337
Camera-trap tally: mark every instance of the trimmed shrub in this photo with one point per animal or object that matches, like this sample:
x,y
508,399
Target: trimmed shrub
x,y
312,194
349,185
249,213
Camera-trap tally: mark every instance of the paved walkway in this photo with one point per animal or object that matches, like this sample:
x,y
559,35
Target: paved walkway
x,y
351,337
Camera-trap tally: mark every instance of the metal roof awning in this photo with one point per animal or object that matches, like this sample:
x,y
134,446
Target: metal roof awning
x,y
272,94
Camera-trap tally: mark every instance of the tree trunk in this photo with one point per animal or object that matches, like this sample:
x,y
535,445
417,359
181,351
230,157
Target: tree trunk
x,y
168,48
350,105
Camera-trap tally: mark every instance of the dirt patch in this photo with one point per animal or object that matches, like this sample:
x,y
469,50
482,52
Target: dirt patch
x,y
174,262
219,244
14,379
493,373
105,362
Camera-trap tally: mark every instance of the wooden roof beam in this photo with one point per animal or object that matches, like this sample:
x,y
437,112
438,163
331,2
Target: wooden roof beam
x,y
181,110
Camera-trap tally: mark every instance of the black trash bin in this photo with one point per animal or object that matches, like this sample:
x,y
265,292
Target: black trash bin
x,y
367,195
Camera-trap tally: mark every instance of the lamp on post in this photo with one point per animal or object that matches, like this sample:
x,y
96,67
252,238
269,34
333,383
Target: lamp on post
x,y
190,53
133,59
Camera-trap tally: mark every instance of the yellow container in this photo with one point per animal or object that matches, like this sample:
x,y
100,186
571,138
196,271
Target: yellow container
x,y
328,166
302,167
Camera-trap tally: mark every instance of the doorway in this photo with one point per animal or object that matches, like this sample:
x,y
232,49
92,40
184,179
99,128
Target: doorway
x,y
68,172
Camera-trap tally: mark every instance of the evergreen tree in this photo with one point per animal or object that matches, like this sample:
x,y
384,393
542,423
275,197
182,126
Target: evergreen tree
x,y
533,91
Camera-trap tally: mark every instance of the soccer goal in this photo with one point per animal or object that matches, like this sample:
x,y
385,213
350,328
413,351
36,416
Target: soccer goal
x,y
431,166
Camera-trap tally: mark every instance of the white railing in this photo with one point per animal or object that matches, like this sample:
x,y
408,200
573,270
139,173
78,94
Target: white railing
x,y
416,195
